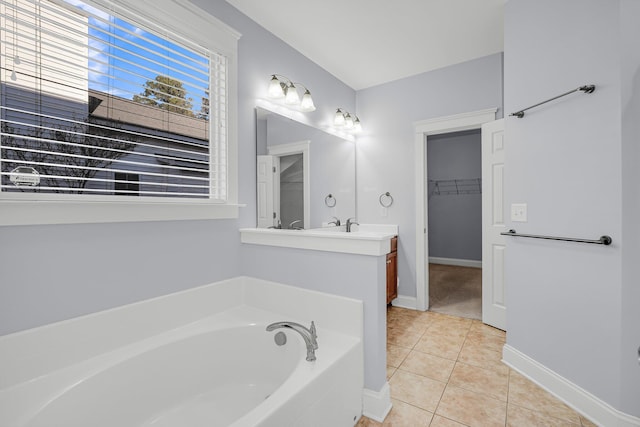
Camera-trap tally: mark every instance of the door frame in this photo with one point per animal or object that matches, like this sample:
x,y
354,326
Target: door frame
x,y
300,147
424,129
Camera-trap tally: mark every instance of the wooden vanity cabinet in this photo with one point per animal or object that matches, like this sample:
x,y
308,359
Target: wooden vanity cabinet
x,y
392,271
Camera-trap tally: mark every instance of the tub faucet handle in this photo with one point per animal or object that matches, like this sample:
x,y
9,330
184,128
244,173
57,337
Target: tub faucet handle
x,y
308,335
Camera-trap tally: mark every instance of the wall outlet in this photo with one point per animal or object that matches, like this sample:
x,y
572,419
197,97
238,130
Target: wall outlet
x,y
519,212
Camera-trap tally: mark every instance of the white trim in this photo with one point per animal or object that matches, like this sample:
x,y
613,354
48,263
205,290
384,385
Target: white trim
x,y
376,404
198,25
301,147
424,128
455,261
405,302
574,396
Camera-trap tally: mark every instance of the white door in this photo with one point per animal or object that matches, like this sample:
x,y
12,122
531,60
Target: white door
x,y
268,200
494,309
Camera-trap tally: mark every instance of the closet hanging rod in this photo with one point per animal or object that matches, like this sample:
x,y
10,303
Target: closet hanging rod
x,y
603,240
585,89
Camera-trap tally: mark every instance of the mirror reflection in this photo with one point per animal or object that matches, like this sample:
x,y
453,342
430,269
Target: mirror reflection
x,y
298,167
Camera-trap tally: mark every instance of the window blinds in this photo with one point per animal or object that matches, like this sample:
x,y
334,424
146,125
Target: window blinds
x,y
95,103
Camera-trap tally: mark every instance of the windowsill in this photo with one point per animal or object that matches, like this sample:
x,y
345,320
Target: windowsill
x,y
31,212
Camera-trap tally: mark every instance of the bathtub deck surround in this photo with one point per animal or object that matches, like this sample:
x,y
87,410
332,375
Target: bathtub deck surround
x,y
93,370
365,239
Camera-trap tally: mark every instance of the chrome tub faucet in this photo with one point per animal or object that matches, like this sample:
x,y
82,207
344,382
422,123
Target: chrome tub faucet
x,y
309,335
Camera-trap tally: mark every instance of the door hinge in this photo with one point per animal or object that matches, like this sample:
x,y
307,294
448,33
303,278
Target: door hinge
x,y
274,215
274,169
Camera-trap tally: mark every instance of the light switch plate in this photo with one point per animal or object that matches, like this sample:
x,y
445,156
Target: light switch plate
x,y
519,212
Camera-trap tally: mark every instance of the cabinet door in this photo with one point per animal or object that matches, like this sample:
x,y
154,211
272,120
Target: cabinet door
x,y
392,276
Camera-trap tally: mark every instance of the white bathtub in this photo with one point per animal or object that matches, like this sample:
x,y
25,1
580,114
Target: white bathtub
x,y
223,369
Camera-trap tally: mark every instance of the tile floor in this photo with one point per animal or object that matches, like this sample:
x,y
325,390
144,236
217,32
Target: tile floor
x,y
445,371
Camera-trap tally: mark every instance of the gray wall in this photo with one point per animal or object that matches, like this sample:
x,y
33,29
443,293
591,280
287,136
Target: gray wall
x,y
56,272
630,101
455,220
574,308
385,151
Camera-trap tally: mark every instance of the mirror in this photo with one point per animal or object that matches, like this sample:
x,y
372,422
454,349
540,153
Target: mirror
x,y
306,176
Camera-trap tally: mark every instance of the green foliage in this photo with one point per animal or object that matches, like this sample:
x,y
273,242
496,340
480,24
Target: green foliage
x,y
166,93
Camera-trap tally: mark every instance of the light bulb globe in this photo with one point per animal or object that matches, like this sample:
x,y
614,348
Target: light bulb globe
x,y
357,126
292,97
275,89
338,119
306,104
348,121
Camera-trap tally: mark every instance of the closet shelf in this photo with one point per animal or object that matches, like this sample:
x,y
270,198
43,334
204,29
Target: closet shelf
x,y
447,187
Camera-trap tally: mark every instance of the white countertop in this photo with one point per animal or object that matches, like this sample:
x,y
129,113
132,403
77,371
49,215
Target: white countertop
x,y
364,239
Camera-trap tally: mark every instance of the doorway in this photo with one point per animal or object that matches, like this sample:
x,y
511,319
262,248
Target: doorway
x,y
292,191
454,193
424,130
283,186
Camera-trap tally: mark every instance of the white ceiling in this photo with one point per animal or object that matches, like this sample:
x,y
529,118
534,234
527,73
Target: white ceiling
x,y
369,42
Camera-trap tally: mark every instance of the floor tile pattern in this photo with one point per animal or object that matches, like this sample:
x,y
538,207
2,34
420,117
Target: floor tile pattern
x,y
446,371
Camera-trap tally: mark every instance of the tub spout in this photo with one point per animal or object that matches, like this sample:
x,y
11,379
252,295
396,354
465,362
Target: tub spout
x,y
309,335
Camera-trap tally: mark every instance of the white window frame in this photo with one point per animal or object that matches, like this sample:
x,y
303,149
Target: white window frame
x,y
181,18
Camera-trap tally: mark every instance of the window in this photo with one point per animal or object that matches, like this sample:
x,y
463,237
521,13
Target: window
x,y
127,184
100,104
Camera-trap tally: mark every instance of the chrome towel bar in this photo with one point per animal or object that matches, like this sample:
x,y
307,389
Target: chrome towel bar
x,y
603,240
585,89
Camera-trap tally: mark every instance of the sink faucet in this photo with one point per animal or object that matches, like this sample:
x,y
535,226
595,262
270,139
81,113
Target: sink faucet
x,y
350,223
309,336
279,226
295,222
336,221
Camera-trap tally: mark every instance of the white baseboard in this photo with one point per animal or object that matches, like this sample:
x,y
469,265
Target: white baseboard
x,y
376,404
405,302
455,261
579,399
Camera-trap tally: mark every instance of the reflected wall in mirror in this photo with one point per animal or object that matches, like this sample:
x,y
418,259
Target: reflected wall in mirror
x,y
298,166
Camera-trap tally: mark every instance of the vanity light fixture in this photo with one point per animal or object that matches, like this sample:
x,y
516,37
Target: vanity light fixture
x,y
283,87
344,120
